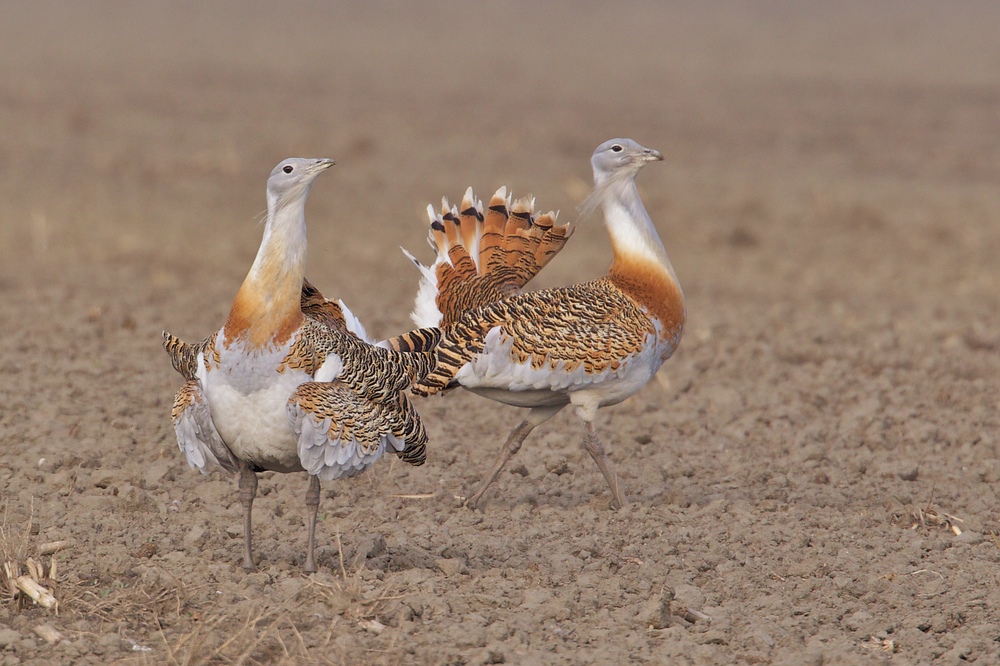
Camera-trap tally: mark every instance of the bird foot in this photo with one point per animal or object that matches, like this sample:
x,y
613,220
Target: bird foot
x,y
471,502
310,565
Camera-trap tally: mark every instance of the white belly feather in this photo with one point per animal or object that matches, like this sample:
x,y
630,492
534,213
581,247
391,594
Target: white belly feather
x,y
495,375
248,400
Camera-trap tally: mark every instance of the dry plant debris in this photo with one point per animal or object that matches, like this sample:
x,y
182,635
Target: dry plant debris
x,y
928,517
50,634
877,644
22,576
265,635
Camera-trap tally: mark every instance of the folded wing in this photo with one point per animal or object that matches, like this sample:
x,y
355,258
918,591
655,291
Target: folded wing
x,y
197,437
341,433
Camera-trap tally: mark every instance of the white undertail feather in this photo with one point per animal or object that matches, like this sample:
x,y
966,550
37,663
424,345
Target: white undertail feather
x,y
354,324
425,310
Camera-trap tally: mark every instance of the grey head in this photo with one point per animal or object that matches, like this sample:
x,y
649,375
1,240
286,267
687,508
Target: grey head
x,y
621,158
292,179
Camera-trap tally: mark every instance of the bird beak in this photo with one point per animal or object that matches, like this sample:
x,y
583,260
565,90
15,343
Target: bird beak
x,y
324,163
652,155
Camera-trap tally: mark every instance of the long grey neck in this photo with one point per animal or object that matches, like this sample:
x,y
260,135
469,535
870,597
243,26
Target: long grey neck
x,y
629,225
280,261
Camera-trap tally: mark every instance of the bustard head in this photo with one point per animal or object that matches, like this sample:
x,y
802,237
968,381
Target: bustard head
x,y
620,158
292,179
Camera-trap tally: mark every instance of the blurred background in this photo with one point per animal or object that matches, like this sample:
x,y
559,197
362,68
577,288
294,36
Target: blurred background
x,y
131,131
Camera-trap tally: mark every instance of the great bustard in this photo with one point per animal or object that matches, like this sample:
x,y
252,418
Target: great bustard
x,y
589,345
290,382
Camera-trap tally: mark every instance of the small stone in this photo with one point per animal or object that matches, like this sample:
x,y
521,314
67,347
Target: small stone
x,y
990,471
155,473
495,657
234,531
957,654
558,468
713,637
136,500
104,481
48,633
813,658
450,566
969,537
689,596
8,637
372,546
289,587
657,610
196,537
858,620
372,626
909,473
520,470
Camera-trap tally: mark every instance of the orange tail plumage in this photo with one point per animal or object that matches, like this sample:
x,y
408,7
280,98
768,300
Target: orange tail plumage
x,y
483,256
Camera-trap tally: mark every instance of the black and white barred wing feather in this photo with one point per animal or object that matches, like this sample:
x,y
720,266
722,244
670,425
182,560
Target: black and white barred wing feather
x,y
345,424
341,434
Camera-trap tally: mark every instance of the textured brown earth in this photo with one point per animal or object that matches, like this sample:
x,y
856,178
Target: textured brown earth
x,y
814,477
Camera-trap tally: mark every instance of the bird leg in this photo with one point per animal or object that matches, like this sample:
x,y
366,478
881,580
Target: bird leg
x,y
312,504
536,416
595,448
248,491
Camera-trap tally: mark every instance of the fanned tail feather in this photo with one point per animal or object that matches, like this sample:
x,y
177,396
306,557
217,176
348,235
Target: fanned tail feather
x,y
415,351
482,256
417,340
183,356
471,224
554,236
458,344
458,254
491,247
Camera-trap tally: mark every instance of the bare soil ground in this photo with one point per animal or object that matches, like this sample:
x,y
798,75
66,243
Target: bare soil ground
x,y
814,477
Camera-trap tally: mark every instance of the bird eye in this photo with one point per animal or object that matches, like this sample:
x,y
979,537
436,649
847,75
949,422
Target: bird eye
x,y
616,148
288,168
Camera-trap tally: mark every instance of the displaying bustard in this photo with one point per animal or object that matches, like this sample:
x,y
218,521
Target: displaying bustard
x,y
290,382
588,345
